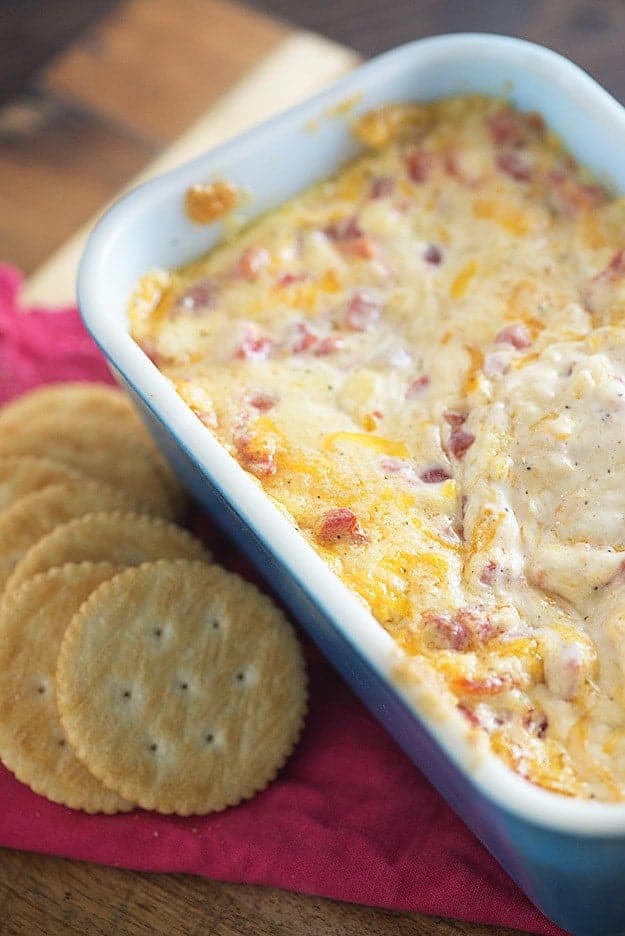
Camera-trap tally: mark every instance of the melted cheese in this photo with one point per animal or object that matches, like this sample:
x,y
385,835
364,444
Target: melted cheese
x,y
422,361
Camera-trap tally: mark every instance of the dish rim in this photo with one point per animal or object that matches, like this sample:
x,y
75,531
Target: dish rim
x,y
481,767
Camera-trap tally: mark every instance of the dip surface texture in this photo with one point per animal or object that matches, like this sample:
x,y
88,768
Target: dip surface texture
x,y
422,361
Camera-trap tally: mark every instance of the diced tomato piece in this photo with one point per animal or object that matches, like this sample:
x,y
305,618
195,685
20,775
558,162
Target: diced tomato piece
x,y
254,348
197,298
256,456
252,262
489,573
419,164
514,164
507,128
417,387
467,629
598,292
536,722
347,229
363,247
455,419
490,685
261,400
568,196
447,631
469,714
363,311
150,350
459,442
392,465
303,338
434,475
515,334
382,187
340,523
329,345
433,254
289,279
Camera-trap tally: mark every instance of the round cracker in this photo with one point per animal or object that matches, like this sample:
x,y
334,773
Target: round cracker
x,y
127,539
23,475
181,687
36,515
102,447
33,744
73,399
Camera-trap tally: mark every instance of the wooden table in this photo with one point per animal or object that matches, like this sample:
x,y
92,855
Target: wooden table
x,y
112,102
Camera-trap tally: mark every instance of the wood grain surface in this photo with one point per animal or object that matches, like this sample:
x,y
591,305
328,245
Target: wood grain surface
x,y
80,127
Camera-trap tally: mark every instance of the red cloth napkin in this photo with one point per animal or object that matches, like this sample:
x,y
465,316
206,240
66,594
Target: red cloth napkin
x,y
349,817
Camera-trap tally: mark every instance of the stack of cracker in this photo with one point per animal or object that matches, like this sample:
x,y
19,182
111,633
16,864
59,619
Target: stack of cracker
x,y
133,670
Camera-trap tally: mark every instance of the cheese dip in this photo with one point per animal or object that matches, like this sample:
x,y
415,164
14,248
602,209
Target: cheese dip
x,y
422,362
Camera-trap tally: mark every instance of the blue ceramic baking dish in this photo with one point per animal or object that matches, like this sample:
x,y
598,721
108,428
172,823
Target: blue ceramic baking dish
x,y
567,855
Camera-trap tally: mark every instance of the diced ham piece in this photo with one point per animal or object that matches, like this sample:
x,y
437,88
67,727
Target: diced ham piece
x,y
338,524
381,187
516,165
455,419
567,196
434,475
261,400
252,262
598,292
329,345
257,457
459,442
363,311
419,165
515,334
418,387
197,298
433,255
254,347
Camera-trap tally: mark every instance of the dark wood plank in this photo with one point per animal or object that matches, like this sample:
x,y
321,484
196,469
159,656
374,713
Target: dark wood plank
x,y
107,107
163,62
31,32
58,165
591,33
54,897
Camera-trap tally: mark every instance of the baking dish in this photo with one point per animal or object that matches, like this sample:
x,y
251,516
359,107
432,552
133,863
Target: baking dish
x,y
568,855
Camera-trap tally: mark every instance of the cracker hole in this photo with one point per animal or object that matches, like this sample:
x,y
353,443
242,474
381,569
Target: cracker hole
x,y
184,685
158,631
61,742
153,747
127,693
209,738
41,689
215,624
240,677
